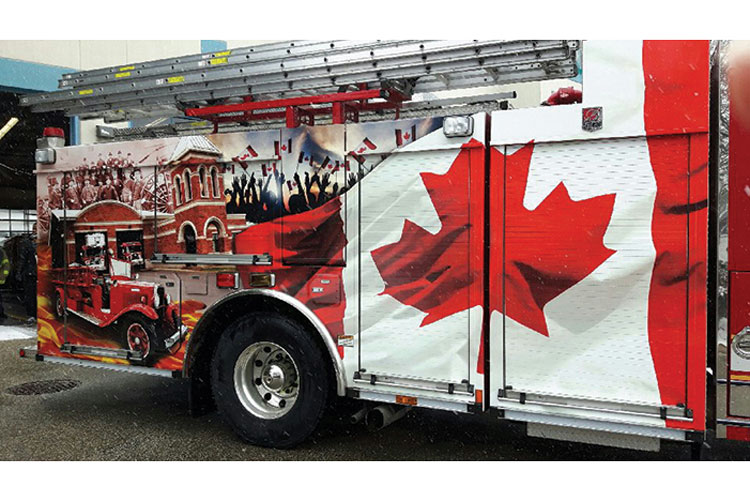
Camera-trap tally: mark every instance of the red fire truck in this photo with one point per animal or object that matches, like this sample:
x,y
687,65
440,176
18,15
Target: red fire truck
x,y
142,313
378,220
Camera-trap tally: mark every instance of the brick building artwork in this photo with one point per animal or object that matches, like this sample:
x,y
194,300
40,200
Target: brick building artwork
x,y
127,234
200,215
192,179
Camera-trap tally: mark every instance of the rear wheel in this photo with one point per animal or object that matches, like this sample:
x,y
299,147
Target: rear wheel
x,y
270,379
138,336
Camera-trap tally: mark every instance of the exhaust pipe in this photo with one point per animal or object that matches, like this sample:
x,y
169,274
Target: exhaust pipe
x,y
358,416
381,416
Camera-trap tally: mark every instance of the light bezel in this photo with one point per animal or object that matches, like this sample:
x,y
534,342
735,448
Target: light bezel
x,y
469,120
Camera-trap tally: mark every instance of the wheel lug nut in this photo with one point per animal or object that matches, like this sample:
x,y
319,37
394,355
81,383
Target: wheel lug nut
x,y
257,381
267,396
282,403
258,363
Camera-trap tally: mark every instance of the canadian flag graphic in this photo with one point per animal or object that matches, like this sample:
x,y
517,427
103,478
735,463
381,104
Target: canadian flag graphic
x,y
365,147
247,153
305,157
406,136
283,148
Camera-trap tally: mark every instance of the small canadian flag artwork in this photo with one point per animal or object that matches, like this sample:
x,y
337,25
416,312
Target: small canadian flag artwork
x,y
284,147
365,146
406,136
248,153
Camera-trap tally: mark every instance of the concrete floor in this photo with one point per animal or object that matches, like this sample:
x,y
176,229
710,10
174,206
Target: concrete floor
x,y
112,415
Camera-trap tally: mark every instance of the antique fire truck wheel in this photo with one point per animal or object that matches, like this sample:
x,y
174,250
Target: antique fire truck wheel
x,y
59,309
138,336
270,379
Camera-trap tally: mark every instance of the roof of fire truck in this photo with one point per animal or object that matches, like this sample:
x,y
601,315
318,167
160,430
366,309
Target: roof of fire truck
x,y
307,82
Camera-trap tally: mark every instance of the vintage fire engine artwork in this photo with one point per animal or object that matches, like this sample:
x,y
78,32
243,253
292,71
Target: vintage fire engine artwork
x,y
555,265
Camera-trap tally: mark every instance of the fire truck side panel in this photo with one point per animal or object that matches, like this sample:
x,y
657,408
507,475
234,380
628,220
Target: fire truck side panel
x,y
418,287
597,308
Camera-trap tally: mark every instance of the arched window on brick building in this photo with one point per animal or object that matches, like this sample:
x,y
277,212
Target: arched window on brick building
x,y
188,187
177,190
215,183
215,235
190,239
203,181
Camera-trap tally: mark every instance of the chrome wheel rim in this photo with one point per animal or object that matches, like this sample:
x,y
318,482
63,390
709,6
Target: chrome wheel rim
x,y
138,339
266,380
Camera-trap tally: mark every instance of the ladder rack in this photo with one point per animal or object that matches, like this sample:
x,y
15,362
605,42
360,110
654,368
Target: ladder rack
x,y
286,72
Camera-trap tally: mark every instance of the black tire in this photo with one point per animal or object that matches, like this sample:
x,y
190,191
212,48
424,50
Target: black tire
x,y
312,366
58,305
128,325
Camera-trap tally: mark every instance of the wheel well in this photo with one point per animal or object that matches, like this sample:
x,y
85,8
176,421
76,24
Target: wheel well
x,y
205,337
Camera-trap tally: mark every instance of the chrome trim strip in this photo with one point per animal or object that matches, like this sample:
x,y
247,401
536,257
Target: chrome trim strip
x,y
97,351
228,259
620,412
459,389
321,329
733,422
149,371
722,228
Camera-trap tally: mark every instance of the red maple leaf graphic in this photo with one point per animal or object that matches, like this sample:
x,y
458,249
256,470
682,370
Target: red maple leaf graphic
x,y
550,248
547,249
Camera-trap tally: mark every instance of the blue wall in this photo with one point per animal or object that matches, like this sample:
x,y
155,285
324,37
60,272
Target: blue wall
x,y
213,45
23,76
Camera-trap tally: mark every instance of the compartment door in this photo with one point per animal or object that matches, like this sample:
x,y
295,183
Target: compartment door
x,y
592,270
421,224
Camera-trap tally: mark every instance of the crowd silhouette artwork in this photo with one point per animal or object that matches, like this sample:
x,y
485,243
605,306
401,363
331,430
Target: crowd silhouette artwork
x,y
260,200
